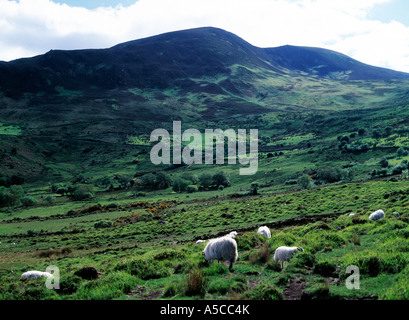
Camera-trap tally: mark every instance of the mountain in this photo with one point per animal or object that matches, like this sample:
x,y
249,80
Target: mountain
x,y
59,101
172,59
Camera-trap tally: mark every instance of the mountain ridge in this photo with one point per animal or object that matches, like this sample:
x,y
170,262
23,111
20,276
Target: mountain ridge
x,y
161,60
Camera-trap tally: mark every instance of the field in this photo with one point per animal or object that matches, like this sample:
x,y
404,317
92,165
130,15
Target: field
x,y
78,188
147,248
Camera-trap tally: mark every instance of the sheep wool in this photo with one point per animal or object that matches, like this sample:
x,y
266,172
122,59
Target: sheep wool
x,y
264,231
232,234
221,249
36,274
378,214
284,254
200,241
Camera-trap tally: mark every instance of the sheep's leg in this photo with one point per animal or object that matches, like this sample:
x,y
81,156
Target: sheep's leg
x,y
230,264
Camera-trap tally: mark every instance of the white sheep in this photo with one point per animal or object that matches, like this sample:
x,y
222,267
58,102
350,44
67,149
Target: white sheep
x,y
36,274
378,214
264,231
221,249
200,241
351,214
285,253
232,234
396,214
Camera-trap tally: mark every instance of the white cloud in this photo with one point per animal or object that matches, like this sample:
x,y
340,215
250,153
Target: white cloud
x,y
30,27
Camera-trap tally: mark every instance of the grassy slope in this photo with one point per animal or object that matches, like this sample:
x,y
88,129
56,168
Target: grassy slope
x,y
334,242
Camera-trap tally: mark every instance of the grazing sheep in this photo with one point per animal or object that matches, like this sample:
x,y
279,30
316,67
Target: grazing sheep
x,y
221,249
264,231
285,253
352,214
200,241
232,234
396,214
36,274
378,214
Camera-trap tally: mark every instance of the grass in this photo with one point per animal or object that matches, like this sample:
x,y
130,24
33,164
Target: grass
x,y
163,261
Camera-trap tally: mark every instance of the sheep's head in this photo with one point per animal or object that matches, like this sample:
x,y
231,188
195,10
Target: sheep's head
x,y
300,249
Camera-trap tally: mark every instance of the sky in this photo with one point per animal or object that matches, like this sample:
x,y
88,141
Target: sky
x,y
375,32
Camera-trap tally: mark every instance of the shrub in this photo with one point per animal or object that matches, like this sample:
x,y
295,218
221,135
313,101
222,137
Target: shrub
x,y
206,180
220,179
303,259
402,152
290,182
305,181
329,174
103,224
384,163
28,202
83,192
191,188
161,180
50,199
179,185
10,197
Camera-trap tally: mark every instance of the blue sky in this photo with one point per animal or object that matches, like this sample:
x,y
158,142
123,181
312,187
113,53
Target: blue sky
x,y
372,31
93,4
394,10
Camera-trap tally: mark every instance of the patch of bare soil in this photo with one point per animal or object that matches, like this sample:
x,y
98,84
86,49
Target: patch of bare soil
x,y
294,290
140,293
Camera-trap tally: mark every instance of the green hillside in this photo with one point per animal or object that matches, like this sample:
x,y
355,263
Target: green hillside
x,y
78,188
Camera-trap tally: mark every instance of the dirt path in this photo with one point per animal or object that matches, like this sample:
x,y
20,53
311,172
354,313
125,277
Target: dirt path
x,y
295,290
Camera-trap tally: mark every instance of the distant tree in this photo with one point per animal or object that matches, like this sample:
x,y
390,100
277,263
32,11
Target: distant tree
x,y
206,180
220,179
401,152
179,185
191,188
349,174
384,163
388,131
11,197
191,177
105,181
254,189
83,192
329,174
163,180
377,133
304,181
156,181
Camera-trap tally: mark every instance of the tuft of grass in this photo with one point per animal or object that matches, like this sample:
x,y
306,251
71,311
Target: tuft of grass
x,y
196,283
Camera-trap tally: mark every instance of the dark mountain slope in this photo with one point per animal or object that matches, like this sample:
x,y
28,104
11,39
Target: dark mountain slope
x,y
157,62
173,59
327,63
